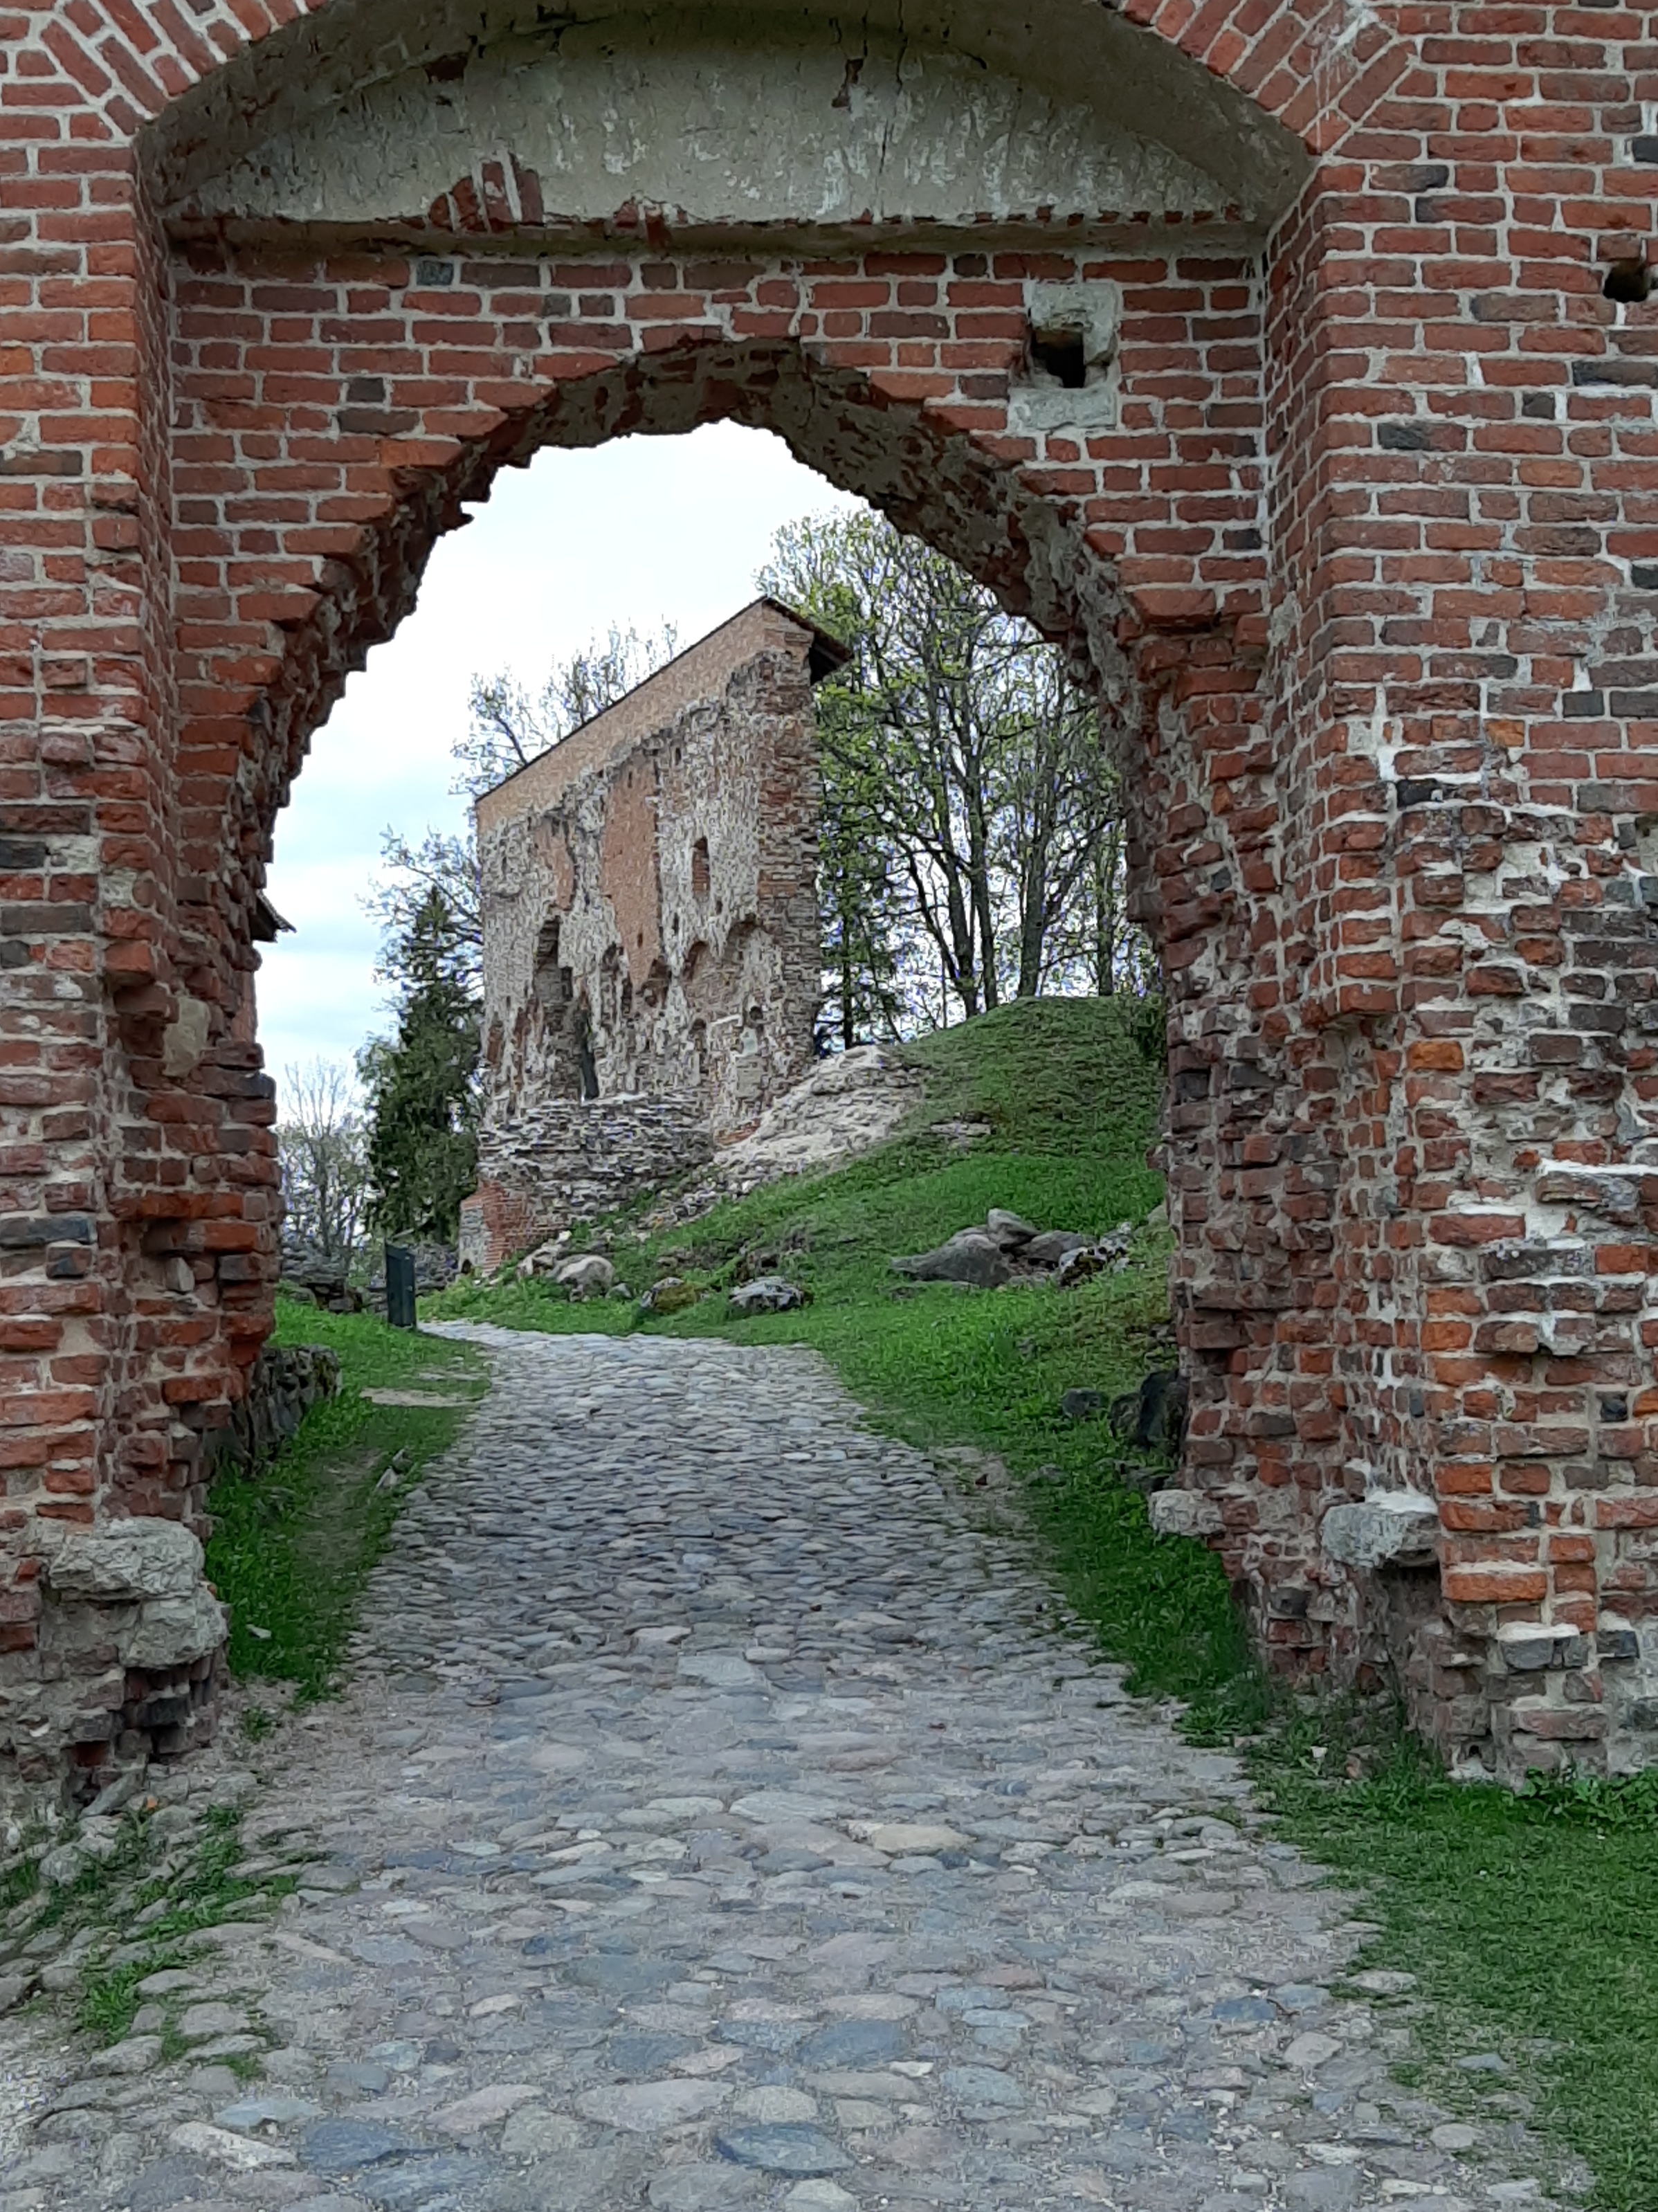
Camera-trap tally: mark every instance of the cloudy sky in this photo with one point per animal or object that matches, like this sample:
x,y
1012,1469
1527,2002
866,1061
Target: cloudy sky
x,y
642,532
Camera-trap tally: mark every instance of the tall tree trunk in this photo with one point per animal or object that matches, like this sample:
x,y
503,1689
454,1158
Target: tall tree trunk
x,y
1105,915
1033,916
979,865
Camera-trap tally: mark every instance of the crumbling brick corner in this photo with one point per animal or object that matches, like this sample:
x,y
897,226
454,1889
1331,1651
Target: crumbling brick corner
x,y
651,956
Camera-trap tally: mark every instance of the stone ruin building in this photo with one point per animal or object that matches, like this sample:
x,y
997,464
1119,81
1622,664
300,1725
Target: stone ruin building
x,y
1292,362
650,959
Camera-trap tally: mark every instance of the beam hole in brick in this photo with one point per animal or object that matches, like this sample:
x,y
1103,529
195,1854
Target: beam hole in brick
x,y
1629,280
1062,354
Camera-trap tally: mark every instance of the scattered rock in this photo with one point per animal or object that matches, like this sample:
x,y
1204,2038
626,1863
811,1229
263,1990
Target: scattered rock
x,y
971,1257
1083,1405
588,1276
768,1294
1053,1246
672,1295
1011,1232
1080,1265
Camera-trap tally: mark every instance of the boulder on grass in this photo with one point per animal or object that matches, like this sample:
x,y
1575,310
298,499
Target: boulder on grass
x,y
671,1295
972,1257
1053,1246
543,1260
590,1275
768,1294
1010,1232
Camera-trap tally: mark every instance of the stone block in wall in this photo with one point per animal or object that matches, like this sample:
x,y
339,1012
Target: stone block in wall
x,y
1388,1529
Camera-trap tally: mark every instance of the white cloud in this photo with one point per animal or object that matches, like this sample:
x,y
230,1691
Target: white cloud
x,y
642,532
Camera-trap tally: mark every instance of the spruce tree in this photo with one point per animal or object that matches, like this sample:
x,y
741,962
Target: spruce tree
x,y
422,1101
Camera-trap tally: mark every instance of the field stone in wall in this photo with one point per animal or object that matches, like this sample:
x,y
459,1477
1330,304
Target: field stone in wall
x,y
145,1577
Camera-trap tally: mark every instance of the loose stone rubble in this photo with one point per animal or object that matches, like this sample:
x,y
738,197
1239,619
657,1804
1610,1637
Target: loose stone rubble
x,y
285,1381
1005,1250
718,1819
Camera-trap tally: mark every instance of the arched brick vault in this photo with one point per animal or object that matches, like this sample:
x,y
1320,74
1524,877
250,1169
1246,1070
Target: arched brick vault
x,y
1358,541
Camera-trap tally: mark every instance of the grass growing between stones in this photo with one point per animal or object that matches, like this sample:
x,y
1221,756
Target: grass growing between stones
x,y
293,1546
1531,1923
160,1916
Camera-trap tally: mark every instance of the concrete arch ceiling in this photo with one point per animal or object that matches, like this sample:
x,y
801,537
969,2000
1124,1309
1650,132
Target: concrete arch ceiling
x,y
778,116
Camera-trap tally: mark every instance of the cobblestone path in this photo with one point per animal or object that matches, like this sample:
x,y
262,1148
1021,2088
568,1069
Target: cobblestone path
x,y
719,1819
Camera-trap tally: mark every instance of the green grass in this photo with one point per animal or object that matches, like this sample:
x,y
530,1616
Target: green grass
x,y
292,1547
1531,1921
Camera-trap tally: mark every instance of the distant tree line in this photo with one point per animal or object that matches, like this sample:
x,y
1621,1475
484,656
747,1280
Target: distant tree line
x,y
972,850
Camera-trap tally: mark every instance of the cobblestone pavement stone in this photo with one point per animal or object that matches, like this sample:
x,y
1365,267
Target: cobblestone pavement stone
x,y
718,1818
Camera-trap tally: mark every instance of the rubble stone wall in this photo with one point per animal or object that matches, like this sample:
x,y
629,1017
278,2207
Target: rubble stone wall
x,y
1309,398
570,1161
285,1381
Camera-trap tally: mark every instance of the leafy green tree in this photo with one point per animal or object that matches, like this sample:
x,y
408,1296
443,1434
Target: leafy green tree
x,y
967,782
422,1084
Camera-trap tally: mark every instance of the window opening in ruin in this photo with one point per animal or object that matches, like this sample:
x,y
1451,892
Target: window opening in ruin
x,y
700,871
552,981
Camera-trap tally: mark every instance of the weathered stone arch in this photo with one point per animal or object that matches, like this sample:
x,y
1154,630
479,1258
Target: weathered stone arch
x,y
1337,514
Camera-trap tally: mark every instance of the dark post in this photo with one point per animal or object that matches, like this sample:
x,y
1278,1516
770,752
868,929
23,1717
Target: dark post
x,y
399,1286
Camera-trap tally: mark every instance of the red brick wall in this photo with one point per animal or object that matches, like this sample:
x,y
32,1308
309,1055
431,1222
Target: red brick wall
x,y
1367,569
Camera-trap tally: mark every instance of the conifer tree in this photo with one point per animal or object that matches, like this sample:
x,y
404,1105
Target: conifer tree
x,y
421,1084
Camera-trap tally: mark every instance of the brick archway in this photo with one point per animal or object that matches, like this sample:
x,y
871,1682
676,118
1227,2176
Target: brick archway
x,y
1348,518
